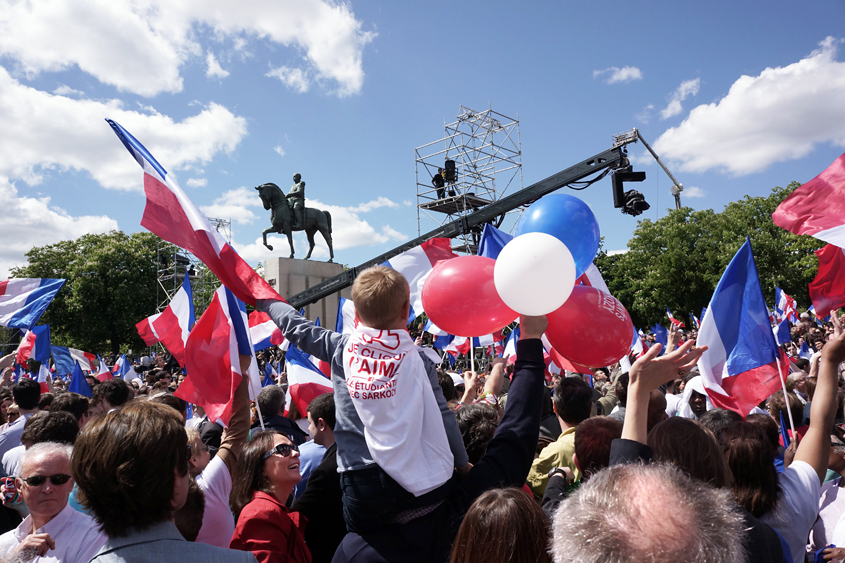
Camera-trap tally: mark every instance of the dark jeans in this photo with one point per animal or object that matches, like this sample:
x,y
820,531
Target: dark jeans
x,y
372,499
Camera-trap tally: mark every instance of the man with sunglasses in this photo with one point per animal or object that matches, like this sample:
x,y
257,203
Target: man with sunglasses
x,y
53,531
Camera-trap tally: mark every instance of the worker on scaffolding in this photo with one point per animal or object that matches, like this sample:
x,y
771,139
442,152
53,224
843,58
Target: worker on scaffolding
x,y
439,183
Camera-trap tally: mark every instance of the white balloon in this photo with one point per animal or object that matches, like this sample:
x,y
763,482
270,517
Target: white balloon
x,y
534,274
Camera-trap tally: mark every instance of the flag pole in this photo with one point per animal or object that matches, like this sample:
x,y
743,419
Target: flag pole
x,y
249,382
471,356
785,397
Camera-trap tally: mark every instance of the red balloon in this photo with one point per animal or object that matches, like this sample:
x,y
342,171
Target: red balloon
x,y
592,328
459,296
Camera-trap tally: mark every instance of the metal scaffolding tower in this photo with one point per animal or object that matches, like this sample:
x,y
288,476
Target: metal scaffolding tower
x,y
480,157
175,263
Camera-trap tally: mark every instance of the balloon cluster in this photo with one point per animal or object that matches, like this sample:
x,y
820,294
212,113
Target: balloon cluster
x,y
535,274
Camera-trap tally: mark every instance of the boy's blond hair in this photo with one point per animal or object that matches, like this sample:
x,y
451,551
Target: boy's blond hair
x,y
379,293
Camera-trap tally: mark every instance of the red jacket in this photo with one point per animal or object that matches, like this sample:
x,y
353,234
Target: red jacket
x,y
271,532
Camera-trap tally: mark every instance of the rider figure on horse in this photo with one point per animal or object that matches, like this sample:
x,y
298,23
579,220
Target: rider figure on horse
x,y
296,198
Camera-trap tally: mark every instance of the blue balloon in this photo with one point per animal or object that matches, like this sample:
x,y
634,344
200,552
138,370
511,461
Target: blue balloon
x,y
568,219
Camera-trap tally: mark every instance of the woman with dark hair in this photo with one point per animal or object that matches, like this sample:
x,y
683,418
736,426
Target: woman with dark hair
x,y
503,526
267,472
692,447
789,501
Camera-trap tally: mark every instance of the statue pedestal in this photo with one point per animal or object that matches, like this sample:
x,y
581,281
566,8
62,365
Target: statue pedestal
x,y
290,276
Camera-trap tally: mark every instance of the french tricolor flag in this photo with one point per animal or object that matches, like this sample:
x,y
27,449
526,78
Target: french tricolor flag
x,y
103,372
212,357
416,264
66,359
171,215
24,300
35,344
827,290
672,319
460,345
264,331
593,278
695,320
818,207
740,367
305,382
172,326
785,306
345,323
121,368
43,375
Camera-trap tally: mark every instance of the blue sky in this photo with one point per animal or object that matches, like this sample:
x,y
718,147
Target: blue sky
x,y
735,97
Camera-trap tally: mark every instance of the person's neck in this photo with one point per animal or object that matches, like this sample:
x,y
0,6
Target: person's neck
x,y
27,411
281,494
39,521
564,426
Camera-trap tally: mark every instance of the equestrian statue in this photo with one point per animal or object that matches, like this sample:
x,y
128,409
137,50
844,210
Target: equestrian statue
x,y
290,214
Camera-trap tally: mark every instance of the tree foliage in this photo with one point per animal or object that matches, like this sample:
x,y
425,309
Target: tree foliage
x,y
677,260
111,285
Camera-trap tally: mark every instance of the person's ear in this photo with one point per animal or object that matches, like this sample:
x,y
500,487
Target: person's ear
x,y
321,425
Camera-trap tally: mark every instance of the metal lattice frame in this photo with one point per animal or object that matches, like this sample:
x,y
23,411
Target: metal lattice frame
x,y
173,267
487,151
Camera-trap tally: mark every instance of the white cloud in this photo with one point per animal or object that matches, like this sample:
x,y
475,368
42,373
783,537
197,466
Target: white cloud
x,y
616,75
381,201
29,222
615,252
279,150
233,205
692,191
42,132
197,182
140,46
646,114
777,116
387,230
293,78
214,69
685,90
63,90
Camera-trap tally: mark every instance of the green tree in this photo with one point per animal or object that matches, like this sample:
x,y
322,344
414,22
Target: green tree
x,y
111,285
677,260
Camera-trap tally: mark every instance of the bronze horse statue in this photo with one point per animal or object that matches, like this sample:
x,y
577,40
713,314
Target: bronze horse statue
x,y
313,220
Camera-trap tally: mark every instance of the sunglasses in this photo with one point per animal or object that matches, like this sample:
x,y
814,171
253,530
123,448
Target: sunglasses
x,y
38,480
283,450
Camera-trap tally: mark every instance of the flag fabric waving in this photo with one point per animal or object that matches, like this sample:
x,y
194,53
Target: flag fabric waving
x,y
24,300
171,215
305,382
146,330
121,367
43,374
35,344
65,358
416,264
827,290
172,326
103,372
740,367
345,323
78,384
593,278
212,357
492,241
263,331
785,306
269,375
695,320
674,321
661,335
817,208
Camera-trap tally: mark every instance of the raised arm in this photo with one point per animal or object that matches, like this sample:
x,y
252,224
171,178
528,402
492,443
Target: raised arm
x,y
311,339
496,378
648,373
234,437
815,446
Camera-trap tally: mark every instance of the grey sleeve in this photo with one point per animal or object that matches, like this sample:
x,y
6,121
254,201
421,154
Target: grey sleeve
x,y
305,335
450,423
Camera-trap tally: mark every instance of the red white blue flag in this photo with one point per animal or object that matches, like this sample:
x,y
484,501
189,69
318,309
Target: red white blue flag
x,y
35,345
103,372
66,359
740,367
817,208
673,320
171,215
305,381
785,306
24,300
345,323
264,331
173,325
827,290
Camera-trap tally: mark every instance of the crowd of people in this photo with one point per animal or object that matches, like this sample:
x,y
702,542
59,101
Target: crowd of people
x,y
409,461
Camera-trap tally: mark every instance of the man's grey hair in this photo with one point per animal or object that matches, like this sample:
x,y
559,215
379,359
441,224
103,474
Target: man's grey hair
x,y
792,379
653,513
271,400
45,449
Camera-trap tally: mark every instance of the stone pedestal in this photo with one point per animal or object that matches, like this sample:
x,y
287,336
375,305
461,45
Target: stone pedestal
x,y
290,276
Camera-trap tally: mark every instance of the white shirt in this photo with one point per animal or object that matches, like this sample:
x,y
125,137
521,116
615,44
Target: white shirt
x,y
798,507
831,509
218,523
672,402
11,461
11,436
76,535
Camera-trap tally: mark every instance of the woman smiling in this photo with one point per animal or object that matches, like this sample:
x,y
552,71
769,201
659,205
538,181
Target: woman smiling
x,y
267,472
